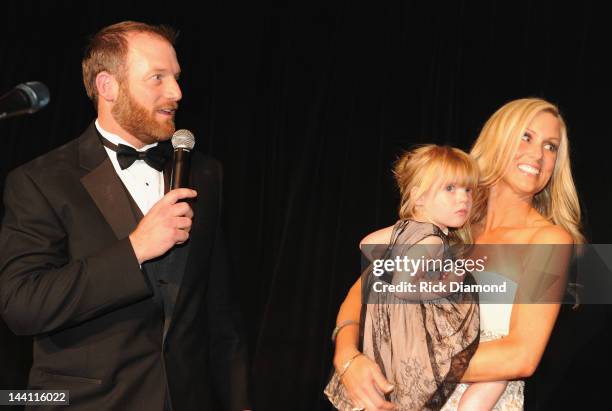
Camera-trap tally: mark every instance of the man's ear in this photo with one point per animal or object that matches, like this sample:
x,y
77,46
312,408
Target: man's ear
x,y
107,86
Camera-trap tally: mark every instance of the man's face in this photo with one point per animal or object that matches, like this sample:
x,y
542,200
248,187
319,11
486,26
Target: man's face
x,y
148,92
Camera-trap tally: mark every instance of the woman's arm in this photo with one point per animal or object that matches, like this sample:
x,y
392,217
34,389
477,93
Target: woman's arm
x,y
347,339
518,354
363,380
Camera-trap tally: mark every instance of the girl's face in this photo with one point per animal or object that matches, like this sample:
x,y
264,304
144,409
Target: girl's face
x,y
446,205
534,162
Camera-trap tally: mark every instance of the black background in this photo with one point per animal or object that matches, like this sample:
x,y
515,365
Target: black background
x,y
307,104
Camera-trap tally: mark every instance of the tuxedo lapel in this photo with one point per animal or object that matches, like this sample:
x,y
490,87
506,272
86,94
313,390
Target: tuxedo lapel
x,y
104,185
186,258
171,268
175,262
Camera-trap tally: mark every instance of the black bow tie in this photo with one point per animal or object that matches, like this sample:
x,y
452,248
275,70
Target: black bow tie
x,y
156,157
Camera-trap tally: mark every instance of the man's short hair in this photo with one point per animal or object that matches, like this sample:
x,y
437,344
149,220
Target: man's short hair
x,y
108,48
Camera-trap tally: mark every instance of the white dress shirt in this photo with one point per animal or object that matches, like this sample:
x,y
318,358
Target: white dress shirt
x,y
144,183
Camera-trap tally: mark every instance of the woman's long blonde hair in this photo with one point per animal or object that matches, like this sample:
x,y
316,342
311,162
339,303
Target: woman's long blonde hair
x,y
496,147
429,167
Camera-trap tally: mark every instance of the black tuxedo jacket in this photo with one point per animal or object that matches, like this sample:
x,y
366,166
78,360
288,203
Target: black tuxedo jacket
x,y
69,277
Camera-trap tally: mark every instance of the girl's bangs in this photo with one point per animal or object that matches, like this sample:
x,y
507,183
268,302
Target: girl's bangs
x,y
459,170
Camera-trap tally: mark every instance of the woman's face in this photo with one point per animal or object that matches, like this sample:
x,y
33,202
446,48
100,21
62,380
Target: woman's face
x,y
534,162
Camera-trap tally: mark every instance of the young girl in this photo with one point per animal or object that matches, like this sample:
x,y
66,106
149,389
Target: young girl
x,y
422,342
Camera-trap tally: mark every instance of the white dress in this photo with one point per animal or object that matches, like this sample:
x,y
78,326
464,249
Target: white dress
x,y
494,324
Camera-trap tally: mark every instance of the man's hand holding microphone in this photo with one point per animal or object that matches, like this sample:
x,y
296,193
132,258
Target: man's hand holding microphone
x,y
169,221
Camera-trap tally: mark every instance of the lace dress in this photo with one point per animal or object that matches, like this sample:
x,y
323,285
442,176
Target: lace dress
x,y
423,347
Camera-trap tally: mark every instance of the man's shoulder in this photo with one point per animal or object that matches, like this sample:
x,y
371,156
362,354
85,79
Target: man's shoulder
x,y
52,164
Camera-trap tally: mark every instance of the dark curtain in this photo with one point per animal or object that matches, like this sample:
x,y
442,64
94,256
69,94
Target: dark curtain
x,y
307,104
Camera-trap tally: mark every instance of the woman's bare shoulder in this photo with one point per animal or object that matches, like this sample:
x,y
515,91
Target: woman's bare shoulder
x,y
551,234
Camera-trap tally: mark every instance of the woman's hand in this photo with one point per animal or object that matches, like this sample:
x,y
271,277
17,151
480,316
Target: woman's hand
x,y
366,385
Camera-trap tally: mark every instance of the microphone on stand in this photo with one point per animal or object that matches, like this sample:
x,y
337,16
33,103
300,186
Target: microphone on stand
x,y
25,98
183,142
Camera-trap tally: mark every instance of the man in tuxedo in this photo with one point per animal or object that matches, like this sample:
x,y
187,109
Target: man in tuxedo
x,y
123,284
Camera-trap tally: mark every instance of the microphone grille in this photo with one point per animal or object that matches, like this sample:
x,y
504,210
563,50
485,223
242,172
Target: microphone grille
x,y
37,93
183,139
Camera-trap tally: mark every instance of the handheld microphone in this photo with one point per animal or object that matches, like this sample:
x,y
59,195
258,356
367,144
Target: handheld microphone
x,y
183,142
25,98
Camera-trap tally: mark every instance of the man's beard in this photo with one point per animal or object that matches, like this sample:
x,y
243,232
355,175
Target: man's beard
x,y
138,121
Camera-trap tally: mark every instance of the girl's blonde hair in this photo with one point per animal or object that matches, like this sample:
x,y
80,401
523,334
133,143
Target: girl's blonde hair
x,y
429,167
496,147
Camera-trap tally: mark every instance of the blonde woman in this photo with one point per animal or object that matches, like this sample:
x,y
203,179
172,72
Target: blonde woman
x,y
526,196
